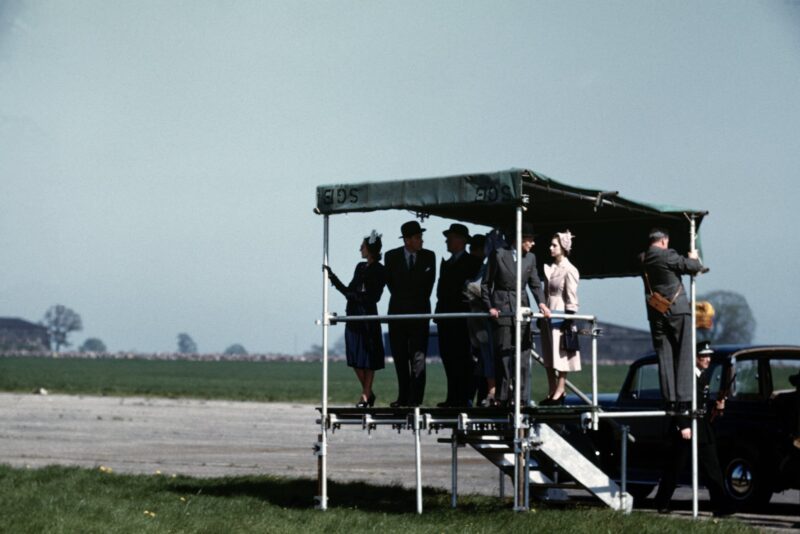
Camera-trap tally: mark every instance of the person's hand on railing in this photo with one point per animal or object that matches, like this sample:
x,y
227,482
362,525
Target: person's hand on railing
x,y
544,309
494,312
333,278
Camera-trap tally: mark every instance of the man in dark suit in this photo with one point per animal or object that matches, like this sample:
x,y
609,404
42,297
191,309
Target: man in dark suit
x,y
454,342
671,331
681,435
410,273
499,293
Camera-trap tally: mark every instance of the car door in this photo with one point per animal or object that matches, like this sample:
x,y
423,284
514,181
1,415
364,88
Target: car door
x,y
746,400
753,435
783,417
642,392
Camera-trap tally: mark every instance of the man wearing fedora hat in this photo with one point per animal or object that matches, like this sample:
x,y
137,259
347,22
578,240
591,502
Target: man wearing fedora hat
x,y
454,342
410,274
499,294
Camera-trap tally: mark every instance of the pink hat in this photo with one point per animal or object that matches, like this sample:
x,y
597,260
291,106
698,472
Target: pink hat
x,y
565,240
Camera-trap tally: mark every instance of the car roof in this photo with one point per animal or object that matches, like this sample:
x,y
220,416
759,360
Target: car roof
x,y
722,352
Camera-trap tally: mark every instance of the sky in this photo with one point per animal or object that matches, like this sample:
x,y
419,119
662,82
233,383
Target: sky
x,y
159,160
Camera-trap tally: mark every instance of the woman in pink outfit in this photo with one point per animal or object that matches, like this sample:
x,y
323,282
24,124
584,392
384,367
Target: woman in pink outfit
x,y
561,288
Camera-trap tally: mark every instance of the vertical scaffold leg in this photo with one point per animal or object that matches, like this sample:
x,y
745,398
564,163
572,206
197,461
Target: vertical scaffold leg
x,y
519,472
320,449
624,469
527,472
502,484
419,459
454,470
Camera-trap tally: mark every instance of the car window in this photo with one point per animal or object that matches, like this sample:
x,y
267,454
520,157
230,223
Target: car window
x,y
714,380
645,384
785,375
746,381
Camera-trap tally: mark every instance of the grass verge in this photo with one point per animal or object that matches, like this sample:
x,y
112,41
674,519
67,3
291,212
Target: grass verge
x,y
252,381
66,500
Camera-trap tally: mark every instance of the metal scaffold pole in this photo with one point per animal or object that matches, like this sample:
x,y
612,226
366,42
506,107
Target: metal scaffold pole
x,y
595,333
418,457
519,456
322,452
454,470
692,245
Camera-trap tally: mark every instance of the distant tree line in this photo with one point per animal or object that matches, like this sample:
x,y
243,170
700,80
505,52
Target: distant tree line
x,y
734,323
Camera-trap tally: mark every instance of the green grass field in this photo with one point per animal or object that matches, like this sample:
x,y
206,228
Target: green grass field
x,y
68,500
252,381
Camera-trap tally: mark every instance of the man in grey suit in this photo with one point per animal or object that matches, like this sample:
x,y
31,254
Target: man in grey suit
x,y
671,331
499,293
410,274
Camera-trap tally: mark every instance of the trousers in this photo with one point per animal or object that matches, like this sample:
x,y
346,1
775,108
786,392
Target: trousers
x,y
505,350
409,343
672,340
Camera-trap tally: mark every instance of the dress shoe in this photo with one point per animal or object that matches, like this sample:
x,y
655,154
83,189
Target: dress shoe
x,y
398,404
362,404
371,399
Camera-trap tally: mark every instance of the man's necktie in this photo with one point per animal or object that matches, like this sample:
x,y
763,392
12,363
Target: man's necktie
x,y
410,261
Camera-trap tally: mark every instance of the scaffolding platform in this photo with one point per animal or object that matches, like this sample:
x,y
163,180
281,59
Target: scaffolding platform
x,y
538,446
466,418
545,438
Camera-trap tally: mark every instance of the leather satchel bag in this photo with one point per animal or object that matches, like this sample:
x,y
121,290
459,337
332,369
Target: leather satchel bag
x,y
656,300
659,302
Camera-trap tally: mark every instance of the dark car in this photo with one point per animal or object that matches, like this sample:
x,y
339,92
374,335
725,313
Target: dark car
x,y
755,434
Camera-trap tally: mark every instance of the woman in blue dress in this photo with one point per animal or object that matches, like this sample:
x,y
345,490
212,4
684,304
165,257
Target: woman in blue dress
x,y
364,339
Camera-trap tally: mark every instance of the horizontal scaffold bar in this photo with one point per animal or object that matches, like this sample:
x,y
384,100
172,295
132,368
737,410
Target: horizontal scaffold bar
x,y
625,415
453,417
465,315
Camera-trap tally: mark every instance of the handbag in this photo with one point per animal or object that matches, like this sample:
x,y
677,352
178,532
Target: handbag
x,y
570,342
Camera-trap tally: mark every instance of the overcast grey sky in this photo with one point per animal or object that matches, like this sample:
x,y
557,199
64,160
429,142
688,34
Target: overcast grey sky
x,y
158,160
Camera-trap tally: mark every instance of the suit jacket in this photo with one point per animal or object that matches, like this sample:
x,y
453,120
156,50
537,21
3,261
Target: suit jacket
x,y
411,290
664,268
561,283
453,277
499,285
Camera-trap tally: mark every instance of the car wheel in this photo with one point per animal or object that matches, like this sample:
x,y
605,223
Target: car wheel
x,y
745,481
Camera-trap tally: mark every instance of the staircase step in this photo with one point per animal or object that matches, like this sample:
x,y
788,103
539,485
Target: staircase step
x,y
584,472
550,451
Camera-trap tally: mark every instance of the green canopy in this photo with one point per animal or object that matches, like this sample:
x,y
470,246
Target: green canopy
x,y
609,230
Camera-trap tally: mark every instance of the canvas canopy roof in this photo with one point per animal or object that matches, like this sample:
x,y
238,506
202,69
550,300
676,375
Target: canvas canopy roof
x,y
610,230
